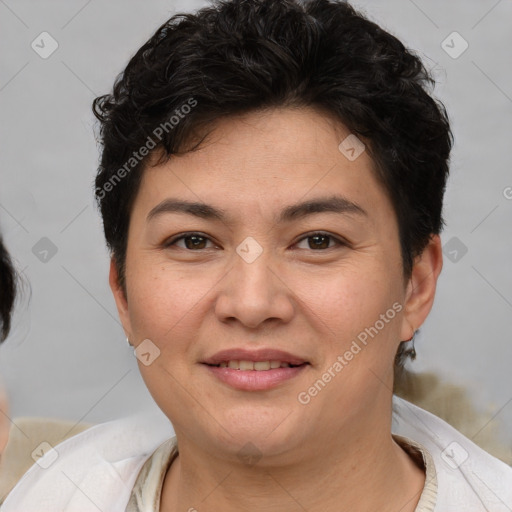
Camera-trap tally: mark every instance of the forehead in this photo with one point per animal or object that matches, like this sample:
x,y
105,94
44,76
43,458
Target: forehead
x,y
263,160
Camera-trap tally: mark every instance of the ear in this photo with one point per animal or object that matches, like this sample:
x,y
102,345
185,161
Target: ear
x,y
421,287
120,298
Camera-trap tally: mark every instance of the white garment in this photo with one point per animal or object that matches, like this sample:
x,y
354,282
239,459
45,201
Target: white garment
x,y
96,470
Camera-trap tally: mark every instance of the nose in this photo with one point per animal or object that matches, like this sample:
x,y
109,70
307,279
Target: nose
x,y
254,293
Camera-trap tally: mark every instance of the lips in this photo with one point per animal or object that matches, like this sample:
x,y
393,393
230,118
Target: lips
x,y
254,356
255,370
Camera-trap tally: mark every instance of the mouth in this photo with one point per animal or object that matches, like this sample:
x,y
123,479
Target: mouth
x,y
257,366
263,359
255,370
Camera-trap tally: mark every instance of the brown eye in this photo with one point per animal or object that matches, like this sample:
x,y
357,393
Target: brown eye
x,y
319,241
192,241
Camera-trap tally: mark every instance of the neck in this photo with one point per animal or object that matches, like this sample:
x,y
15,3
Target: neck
x,y
371,472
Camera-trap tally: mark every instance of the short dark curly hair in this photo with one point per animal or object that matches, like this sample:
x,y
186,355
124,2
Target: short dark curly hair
x,y
238,56
7,291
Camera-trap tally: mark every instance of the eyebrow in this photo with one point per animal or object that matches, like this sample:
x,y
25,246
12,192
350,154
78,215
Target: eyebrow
x,y
333,204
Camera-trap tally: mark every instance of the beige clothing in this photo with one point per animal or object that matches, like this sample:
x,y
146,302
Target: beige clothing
x,y
147,490
24,445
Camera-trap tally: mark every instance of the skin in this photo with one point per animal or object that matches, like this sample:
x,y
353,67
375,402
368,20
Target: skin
x,y
312,302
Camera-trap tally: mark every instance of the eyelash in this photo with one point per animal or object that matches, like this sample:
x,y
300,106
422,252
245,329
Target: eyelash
x,y
172,241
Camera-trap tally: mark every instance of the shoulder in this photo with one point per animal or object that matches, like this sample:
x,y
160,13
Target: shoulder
x,y
29,438
466,474
101,463
453,404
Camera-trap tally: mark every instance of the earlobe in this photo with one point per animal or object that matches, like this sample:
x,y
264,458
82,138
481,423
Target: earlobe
x,y
120,298
421,288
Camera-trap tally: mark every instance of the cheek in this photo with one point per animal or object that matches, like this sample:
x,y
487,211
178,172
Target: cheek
x,y
162,303
361,315
349,300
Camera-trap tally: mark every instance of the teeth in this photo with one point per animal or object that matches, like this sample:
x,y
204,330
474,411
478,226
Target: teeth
x,y
254,365
261,365
246,365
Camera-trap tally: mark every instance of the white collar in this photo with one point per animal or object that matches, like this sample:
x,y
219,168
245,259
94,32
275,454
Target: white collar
x,y
97,468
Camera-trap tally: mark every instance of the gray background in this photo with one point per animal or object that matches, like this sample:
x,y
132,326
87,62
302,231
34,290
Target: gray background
x,y
67,356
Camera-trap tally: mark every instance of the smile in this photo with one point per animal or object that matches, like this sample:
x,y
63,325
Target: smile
x,y
254,375
254,365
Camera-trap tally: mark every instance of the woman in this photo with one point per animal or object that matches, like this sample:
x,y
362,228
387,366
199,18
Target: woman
x,y
271,188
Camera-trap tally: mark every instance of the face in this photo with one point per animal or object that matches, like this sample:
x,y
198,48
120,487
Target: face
x,y
256,273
